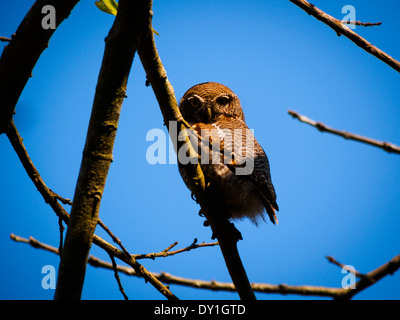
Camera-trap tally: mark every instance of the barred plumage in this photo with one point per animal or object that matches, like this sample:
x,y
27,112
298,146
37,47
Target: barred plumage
x,y
232,160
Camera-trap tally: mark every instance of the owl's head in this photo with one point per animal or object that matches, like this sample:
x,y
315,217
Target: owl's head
x,y
207,102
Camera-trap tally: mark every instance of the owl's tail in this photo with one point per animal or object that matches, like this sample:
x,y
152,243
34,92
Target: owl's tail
x,y
271,210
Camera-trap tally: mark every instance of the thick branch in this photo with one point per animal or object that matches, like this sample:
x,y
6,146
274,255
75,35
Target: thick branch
x,y
227,236
51,198
121,45
164,92
341,28
165,95
21,54
389,147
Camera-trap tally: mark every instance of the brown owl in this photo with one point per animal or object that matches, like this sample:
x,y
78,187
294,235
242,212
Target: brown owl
x,y
235,166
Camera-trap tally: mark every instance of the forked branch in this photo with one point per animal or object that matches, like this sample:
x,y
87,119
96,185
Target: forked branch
x,y
365,281
157,77
121,45
341,28
52,199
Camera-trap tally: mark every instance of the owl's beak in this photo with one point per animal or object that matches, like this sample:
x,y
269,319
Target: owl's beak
x,y
209,113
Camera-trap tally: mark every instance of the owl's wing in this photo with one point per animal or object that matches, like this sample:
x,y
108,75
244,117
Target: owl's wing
x,y
262,178
251,160
230,142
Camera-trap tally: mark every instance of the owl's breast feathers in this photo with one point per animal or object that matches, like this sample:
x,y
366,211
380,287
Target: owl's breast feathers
x,y
237,166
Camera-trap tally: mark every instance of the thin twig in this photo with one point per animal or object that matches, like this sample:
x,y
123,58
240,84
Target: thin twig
x,y
170,247
166,252
337,293
387,146
61,228
48,195
363,24
63,200
35,243
116,275
115,239
50,198
389,268
5,39
341,265
341,28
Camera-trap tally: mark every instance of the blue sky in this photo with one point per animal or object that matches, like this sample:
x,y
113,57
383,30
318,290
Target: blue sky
x,y
336,197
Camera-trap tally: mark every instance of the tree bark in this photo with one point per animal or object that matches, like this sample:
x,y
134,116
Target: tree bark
x,y
225,231
21,54
121,45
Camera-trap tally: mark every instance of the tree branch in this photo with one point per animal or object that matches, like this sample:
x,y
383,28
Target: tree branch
x,y
117,278
113,237
166,252
48,195
227,236
164,92
222,228
337,293
363,24
371,278
121,45
340,28
341,265
5,39
21,54
387,146
51,198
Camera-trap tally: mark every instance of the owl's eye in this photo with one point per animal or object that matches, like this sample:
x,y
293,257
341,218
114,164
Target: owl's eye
x,y
223,100
194,102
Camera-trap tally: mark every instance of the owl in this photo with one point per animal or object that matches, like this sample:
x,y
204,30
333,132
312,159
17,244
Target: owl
x,y
234,164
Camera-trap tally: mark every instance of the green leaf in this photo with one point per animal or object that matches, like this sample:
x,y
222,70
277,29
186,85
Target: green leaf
x,y
111,7
108,6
